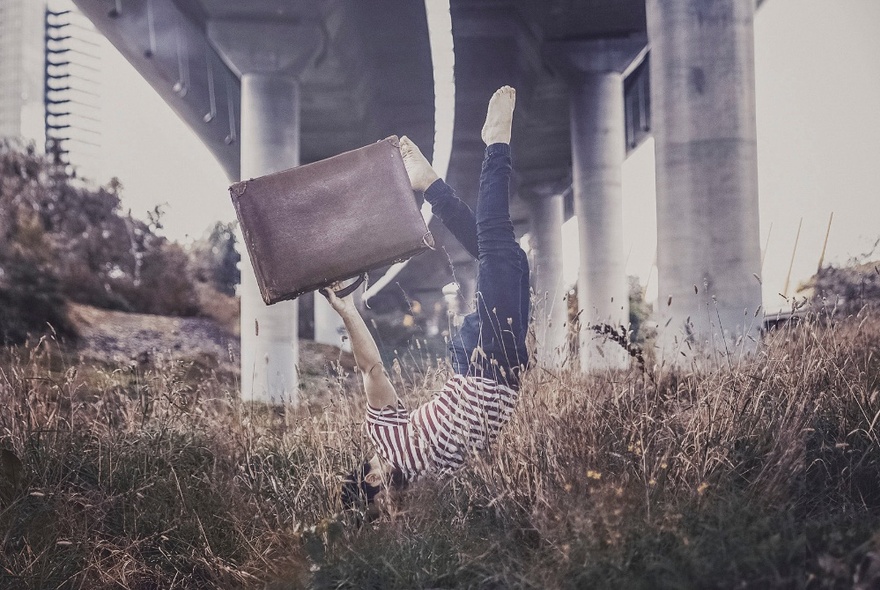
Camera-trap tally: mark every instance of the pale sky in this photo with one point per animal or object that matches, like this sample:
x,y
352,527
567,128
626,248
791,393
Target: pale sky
x,y
818,114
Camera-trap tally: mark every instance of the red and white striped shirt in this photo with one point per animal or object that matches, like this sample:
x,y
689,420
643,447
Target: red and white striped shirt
x,y
465,416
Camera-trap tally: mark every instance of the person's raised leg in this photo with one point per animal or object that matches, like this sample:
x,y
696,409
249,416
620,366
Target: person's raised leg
x,y
452,211
502,298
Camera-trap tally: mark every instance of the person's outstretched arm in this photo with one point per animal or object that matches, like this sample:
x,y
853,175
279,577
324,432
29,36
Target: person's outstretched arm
x,y
380,391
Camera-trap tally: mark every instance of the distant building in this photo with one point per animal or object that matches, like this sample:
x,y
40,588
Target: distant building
x,y
50,68
73,50
22,63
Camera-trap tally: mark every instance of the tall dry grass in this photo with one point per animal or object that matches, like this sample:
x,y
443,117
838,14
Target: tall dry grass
x,y
761,474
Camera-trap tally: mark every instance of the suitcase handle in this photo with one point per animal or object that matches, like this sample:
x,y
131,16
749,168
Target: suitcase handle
x,y
346,291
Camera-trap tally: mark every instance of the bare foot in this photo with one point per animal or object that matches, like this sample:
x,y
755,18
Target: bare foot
x,y
499,118
421,174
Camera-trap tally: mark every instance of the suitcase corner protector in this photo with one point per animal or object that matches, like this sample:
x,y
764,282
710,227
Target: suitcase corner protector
x,y
238,189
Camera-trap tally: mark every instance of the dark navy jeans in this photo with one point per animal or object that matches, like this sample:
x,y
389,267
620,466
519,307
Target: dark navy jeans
x,y
491,342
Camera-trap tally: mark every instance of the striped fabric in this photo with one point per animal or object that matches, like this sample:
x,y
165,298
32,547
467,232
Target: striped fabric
x,y
464,416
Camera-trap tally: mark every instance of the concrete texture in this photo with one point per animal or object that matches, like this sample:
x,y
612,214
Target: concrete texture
x,y
550,303
594,71
500,42
270,141
708,248
597,156
329,328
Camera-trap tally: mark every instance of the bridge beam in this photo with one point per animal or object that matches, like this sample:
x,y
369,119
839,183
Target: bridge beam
x,y
268,65
703,101
594,71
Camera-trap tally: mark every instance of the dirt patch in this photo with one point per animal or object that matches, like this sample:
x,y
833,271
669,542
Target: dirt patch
x,y
121,337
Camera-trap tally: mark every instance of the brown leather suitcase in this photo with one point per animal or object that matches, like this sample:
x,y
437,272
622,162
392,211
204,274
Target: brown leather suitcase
x,y
308,227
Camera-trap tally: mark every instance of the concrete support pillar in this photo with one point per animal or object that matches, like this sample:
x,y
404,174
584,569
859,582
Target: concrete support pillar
x,y
594,71
551,301
269,142
703,110
262,55
598,149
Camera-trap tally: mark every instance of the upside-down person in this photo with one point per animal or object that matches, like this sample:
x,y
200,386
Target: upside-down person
x,y
488,353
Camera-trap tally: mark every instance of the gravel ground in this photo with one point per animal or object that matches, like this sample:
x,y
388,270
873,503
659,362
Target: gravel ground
x,y
125,337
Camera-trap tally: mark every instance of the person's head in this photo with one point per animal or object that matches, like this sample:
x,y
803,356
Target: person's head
x,y
368,480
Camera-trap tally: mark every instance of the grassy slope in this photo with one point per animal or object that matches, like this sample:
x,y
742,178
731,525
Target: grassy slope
x,y
763,475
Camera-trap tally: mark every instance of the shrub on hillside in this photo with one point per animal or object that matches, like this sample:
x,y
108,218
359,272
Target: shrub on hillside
x,y
846,289
30,302
163,285
214,258
67,241
213,266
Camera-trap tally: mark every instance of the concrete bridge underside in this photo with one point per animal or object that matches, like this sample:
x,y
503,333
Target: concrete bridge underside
x,y
523,43
587,88
370,76
362,71
271,84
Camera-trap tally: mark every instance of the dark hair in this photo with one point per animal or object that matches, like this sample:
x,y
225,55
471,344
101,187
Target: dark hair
x,y
355,489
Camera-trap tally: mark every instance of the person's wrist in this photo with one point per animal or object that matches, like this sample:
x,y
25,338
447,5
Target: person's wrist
x,y
348,311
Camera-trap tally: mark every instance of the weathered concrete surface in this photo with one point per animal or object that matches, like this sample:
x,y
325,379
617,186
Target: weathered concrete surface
x,y
357,72
270,141
550,303
703,97
598,150
594,70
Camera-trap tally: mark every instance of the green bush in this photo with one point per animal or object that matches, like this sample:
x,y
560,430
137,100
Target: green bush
x,y
63,241
31,302
214,258
846,289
